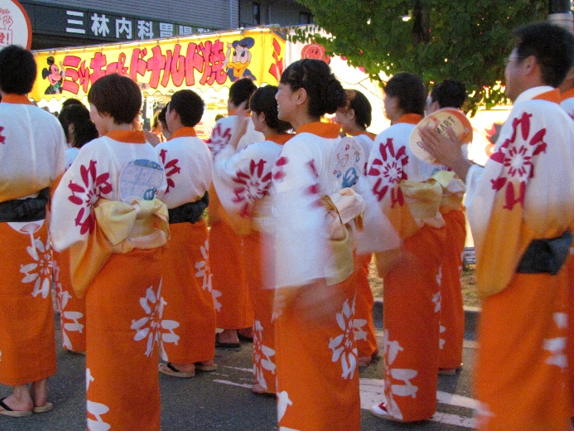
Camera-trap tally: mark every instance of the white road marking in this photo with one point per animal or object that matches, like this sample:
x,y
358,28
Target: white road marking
x,y
248,386
371,393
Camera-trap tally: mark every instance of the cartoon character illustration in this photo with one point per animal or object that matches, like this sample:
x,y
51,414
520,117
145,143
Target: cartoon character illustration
x,y
315,51
237,66
55,76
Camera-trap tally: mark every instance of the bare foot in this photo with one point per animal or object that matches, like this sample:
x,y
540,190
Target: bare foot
x,y
247,333
228,336
39,392
20,400
178,370
206,366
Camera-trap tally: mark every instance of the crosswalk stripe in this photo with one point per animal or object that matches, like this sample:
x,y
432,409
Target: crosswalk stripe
x,y
371,393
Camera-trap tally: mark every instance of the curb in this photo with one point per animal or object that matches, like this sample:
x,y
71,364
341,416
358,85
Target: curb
x,y
471,317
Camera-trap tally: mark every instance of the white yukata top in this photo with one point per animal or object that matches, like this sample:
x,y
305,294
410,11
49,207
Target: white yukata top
x,y
32,145
222,134
525,191
305,249
94,175
188,165
243,179
366,140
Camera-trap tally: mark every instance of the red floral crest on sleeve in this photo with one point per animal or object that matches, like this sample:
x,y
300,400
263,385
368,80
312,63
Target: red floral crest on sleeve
x,y
388,169
220,138
171,168
252,185
87,194
516,154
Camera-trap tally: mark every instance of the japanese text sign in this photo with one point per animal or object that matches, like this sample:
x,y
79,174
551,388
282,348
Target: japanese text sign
x,y
164,66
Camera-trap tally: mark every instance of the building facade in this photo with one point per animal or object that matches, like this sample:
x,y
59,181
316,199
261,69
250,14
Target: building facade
x,y
69,23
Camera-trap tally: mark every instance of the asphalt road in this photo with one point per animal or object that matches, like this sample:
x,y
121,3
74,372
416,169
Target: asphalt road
x,y
222,400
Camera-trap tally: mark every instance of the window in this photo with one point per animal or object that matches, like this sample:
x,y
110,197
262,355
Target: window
x,y
256,11
305,18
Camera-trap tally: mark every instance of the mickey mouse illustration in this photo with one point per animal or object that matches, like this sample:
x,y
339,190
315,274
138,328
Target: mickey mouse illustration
x,y
55,76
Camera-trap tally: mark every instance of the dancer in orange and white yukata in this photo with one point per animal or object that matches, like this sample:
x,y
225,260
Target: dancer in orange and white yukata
x,y
354,119
115,240
316,357
451,94
234,310
243,179
32,148
410,197
79,130
189,312
520,208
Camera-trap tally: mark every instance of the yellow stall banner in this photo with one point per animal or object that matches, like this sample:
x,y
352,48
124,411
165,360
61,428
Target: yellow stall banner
x,y
201,62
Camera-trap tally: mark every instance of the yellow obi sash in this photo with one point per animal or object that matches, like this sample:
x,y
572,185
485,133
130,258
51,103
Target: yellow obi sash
x,y
422,198
453,190
120,228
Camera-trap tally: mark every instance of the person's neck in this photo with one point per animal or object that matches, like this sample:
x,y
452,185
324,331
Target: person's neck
x,y
175,126
354,130
123,126
267,131
396,116
302,120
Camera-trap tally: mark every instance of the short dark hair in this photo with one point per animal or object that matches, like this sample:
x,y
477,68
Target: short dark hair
x,y
324,91
361,107
116,95
162,115
449,93
264,101
241,91
189,106
409,91
71,101
17,70
79,116
551,45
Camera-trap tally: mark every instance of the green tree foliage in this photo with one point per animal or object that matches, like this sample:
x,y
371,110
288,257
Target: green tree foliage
x,y
466,40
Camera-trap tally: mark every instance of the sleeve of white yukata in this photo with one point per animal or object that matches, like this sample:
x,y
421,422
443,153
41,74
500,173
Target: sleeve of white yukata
x,y
378,234
301,243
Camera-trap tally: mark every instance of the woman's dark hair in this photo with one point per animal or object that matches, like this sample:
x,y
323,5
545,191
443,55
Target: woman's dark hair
x,y
116,95
241,91
449,93
324,91
409,91
17,70
84,129
358,102
264,101
71,101
162,115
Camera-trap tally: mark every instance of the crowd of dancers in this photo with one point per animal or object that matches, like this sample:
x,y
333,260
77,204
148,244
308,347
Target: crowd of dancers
x,y
163,247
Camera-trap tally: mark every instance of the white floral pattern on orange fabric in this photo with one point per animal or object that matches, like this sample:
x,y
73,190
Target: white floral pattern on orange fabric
x,y
203,268
262,356
69,320
149,326
39,271
343,345
95,409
